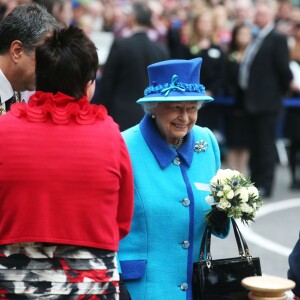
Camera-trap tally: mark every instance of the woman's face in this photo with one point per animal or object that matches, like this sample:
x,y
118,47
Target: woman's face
x,y
243,37
204,25
175,119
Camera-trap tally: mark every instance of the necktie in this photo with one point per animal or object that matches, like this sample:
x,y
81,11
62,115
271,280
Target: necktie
x,y
6,106
246,64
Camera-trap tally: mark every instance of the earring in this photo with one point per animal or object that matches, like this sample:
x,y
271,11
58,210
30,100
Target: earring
x,y
153,116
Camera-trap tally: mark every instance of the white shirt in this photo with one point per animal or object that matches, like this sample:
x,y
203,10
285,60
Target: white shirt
x,y
6,90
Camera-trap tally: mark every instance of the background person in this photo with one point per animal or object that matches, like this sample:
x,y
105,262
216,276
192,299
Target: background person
x,y
202,44
61,10
66,193
169,154
236,124
264,78
20,32
126,67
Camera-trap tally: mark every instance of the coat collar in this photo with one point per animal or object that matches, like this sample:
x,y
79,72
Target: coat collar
x,y
163,153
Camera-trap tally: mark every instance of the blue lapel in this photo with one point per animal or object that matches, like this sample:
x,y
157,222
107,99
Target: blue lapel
x,y
163,153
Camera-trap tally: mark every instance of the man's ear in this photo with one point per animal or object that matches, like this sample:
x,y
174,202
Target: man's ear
x,y
16,50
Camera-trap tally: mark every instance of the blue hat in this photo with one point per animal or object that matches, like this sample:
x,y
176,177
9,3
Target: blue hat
x,y
175,80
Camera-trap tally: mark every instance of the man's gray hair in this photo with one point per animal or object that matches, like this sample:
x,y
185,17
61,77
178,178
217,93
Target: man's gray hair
x,y
28,24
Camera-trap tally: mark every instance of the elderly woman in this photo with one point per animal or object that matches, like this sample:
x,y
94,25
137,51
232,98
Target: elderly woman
x,y
66,184
173,161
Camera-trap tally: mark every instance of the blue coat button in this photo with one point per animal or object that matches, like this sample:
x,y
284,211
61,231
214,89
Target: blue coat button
x,y
186,202
185,244
184,286
176,161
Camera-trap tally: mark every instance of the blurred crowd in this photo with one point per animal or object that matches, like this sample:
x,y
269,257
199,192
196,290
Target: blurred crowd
x,y
184,27
219,32
167,15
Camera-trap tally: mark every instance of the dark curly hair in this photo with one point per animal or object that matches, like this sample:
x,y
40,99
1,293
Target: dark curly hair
x,y
66,62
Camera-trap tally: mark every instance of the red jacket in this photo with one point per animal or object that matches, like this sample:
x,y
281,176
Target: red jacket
x,y
65,174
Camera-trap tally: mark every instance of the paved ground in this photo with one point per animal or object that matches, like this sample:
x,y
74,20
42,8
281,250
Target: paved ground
x,y
274,232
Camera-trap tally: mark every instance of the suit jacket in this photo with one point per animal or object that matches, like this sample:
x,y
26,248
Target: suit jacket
x,y
269,75
294,270
168,223
125,77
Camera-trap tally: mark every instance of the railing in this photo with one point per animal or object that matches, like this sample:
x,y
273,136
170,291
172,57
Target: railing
x,y
281,142
287,102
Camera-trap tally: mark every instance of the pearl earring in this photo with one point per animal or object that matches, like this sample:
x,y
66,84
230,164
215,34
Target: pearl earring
x,y
153,116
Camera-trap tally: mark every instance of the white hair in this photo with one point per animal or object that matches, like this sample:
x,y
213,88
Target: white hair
x,y
149,106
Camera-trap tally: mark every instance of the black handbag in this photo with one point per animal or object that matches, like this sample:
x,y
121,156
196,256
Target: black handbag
x,y
220,279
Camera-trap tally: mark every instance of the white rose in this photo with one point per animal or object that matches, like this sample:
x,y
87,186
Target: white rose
x,y
230,194
251,210
220,193
220,172
252,190
214,180
223,204
236,173
210,200
245,208
220,176
243,192
225,174
226,188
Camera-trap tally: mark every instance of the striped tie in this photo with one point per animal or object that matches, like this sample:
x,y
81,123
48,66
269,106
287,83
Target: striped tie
x,y
6,105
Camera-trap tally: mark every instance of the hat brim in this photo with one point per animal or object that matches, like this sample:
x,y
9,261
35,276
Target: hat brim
x,y
175,99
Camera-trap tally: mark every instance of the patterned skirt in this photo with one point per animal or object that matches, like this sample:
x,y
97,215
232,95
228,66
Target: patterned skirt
x,y
47,271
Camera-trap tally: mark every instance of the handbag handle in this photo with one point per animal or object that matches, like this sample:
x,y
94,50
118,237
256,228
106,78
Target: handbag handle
x,y
206,240
241,243
237,231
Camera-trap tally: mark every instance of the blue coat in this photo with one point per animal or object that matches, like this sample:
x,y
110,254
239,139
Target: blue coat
x,y
168,224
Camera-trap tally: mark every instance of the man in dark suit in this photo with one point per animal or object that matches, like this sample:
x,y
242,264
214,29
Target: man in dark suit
x,y
124,77
294,269
20,32
264,78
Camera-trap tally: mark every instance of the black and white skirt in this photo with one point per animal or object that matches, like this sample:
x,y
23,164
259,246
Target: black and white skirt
x,y
47,271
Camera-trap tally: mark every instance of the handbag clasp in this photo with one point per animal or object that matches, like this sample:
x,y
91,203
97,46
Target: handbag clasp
x,y
208,260
249,257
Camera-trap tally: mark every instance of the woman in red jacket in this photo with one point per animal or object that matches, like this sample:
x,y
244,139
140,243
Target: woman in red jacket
x,y
66,187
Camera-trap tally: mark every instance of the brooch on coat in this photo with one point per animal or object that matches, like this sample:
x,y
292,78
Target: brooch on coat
x,y
200,146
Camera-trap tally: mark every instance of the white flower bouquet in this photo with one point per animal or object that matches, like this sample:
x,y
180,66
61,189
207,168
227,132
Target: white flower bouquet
x,y
234,195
